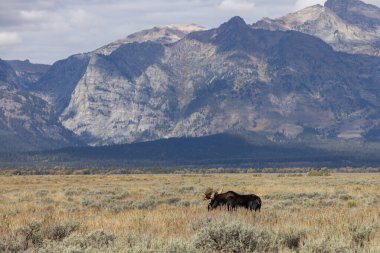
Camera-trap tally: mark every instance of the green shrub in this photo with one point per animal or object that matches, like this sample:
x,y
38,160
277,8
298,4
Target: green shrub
x,y
237,237
361,234
352,203
172,201
292,239
97,239
138,241
146,204
174,246
54,247
186,189
229,238
62,230
33,233
318,173
141,243
326,246
12,243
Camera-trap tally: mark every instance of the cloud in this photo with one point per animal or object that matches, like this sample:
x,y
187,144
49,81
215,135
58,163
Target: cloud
x,y
32,15
9,38
237,5
375,2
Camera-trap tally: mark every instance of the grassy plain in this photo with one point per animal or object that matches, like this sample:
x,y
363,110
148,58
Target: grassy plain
x,y
167,213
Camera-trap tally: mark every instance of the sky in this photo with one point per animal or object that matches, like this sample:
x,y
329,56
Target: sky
x,y
45,31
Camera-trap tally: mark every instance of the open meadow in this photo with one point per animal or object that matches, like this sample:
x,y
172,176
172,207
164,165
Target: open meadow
x,y
167,213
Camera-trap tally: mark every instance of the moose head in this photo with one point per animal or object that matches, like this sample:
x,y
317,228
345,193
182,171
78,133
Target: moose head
x,y
210,194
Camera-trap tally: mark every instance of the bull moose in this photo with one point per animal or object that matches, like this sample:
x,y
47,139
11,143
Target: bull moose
x,y
232,200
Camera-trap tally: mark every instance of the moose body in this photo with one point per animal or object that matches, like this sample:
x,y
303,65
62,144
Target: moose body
x,y
250,202
234,200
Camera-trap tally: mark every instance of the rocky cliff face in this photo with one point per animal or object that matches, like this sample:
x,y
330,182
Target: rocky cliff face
x,y
349,26
26,121
283,84
58,84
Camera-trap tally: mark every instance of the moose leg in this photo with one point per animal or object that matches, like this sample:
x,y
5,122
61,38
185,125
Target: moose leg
x,y
254,205
258,207
230,206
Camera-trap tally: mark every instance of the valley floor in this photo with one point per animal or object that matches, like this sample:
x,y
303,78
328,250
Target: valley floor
x,y
167,213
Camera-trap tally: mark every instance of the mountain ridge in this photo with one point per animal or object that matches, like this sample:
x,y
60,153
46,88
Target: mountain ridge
x,y
366,16
190,87
330,24
28,72
215,151
164,34
185,81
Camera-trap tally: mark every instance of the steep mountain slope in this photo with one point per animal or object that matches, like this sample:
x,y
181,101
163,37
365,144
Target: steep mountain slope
x,y
366,16
335,25
7,75
26,121
287,85
60,80
58,84
27,72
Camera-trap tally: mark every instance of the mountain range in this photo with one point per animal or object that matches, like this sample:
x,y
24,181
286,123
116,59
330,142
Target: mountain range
x,y
311,78
349,26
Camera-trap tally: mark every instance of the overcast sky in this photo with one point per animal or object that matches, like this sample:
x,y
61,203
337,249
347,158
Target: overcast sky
x,y
45,31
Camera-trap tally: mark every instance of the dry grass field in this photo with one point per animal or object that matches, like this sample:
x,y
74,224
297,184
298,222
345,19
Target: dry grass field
x,y
167,213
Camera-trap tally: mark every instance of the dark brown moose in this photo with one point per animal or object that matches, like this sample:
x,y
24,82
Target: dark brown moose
x,y
232,200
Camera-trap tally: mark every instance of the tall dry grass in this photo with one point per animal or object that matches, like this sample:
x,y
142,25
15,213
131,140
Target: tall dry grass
x,y
166,213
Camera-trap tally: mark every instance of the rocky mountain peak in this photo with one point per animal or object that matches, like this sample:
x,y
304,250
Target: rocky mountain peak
x,y
235,25
313,13
356,12
342,4
348,26
235,22
183,27
164,34
235,34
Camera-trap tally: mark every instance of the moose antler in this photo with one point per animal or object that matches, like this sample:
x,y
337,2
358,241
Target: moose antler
x,y
208,193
